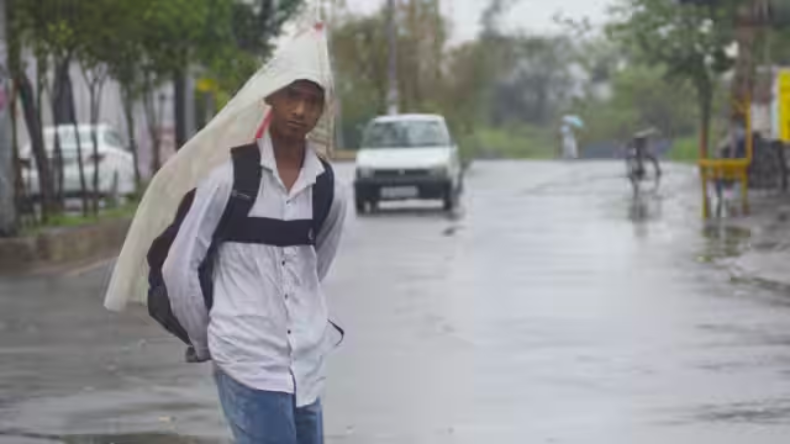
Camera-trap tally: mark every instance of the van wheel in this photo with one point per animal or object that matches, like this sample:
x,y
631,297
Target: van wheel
x,y
360,205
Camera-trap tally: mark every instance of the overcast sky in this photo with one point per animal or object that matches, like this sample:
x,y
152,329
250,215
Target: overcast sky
x,y
529,15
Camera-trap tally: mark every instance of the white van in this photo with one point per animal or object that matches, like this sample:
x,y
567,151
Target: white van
x,y
410,156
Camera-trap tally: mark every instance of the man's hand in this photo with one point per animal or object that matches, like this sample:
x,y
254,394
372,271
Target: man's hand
x,y
192,356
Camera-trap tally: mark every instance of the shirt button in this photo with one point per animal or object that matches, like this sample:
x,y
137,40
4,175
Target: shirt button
x,y
286,296
289,332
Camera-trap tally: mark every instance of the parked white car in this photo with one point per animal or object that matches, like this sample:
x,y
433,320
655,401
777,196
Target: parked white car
x,y
116,162
409,156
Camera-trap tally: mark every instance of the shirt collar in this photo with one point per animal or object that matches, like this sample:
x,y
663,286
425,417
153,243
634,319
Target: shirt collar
x,y
311,168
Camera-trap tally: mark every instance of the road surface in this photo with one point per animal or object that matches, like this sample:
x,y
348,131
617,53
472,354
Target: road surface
x,y
552,308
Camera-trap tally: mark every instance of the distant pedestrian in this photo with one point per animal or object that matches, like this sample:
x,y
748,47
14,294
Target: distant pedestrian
x,y
570,149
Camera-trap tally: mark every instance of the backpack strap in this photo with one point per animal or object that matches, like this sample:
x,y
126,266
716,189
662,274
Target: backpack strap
x,y
323,196
246,184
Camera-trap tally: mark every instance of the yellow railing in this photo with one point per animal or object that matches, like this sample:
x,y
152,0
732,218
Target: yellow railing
x,y
730,168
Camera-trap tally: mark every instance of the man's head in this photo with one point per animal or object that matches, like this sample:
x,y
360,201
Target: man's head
x,y
296,109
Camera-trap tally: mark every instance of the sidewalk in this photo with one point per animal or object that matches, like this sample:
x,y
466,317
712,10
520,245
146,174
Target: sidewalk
x,y
760,242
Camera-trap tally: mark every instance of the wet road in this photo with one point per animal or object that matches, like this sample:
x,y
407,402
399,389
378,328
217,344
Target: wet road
x,y
553,308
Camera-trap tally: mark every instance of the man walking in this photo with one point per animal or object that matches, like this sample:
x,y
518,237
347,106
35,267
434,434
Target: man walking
x,y
268,331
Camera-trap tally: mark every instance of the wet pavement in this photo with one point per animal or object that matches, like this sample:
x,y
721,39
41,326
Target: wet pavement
x,y
552,308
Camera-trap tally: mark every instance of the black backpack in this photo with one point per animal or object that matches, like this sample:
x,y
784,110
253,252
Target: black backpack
x,y
235,226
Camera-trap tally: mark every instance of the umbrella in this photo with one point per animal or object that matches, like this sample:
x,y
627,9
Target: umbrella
x,y
645,133
573,121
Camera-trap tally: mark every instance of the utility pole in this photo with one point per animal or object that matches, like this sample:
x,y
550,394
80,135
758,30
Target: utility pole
x,y
8,217
392,34
748,22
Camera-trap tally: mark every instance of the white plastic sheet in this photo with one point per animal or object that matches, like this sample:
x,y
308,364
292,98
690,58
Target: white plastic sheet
x,y
303,57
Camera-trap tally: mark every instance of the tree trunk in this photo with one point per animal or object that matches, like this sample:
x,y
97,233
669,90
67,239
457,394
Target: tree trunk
x,y
179,107
96,93
33,124
705,96
42,87
745,35
19,183
128,109
153,128
95,156
60,114
77,138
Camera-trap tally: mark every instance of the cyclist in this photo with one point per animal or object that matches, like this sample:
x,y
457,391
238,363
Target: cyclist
x,y
638,151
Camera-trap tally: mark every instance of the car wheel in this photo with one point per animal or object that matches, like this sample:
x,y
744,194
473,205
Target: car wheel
x,y
449,198
360,205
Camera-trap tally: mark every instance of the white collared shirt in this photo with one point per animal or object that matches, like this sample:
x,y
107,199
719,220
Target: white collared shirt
x,y
268,328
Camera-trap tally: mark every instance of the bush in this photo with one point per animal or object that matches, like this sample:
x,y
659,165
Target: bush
x,y
685,149
513,142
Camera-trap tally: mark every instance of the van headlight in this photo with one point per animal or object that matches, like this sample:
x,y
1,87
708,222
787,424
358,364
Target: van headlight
x,y
365,173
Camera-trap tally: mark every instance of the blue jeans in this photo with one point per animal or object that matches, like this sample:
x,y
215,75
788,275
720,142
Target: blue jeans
x,y
260,417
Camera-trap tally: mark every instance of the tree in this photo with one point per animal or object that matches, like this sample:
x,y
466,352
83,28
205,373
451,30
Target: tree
x,y
638,97
249,42
227,38
25,29
362,66
96,30
536,83
689,42
124,65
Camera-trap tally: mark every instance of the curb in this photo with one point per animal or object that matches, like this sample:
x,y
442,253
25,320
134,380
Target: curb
x,y
61,247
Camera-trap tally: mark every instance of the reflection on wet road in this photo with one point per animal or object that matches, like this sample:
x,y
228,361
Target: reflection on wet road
x,y
553,307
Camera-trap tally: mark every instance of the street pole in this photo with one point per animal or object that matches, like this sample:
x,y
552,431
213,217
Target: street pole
x,y
747,23
8,217
392,34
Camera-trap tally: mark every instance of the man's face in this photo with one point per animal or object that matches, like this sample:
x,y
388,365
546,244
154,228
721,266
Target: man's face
x,y
296,109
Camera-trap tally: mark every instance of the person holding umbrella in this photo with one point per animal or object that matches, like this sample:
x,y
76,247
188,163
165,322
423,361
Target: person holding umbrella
x,y
570,148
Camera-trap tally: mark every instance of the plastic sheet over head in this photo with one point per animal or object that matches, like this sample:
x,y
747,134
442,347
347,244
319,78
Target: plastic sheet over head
x,y
305,56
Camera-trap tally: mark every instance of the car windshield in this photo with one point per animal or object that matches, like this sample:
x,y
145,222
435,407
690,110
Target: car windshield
x,y
406,134
67,139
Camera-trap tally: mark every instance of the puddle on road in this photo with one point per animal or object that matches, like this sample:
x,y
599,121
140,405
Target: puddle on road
x,y
645,208
141,438
765,412
723,242
136,439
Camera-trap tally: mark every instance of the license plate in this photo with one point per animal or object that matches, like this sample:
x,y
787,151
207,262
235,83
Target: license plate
x,y
399,192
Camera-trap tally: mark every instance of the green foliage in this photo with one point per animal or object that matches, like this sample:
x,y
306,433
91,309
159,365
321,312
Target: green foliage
x,y
688,42
685,150
139,43
361,62
640,97
512,142
536,81
496,81
125,211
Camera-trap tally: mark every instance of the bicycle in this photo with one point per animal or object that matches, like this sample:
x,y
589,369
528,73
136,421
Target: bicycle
x,y
641,165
